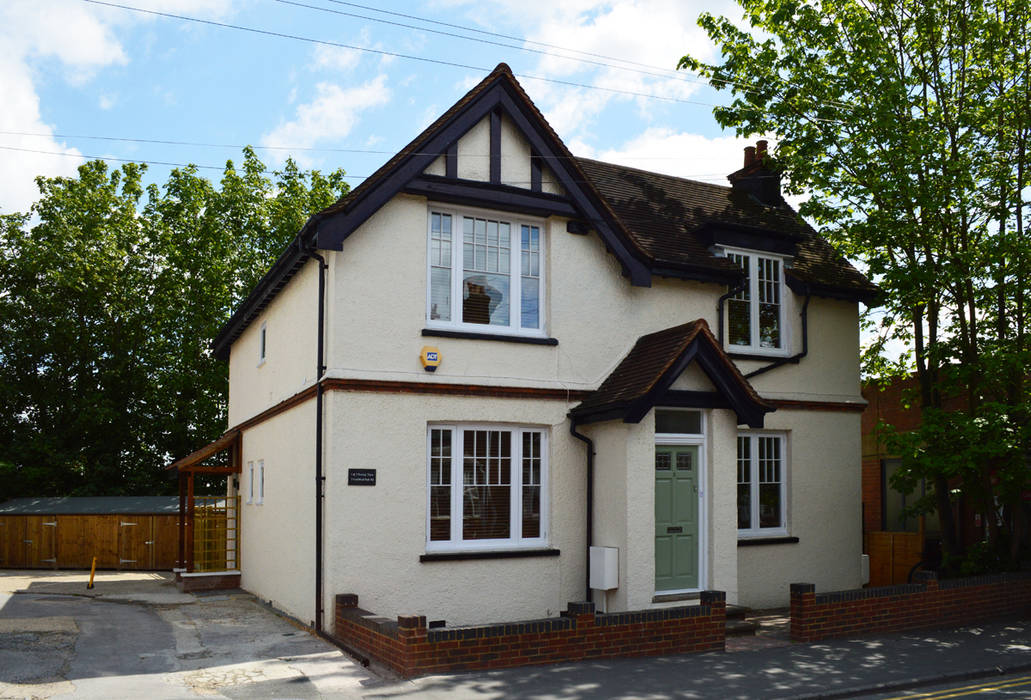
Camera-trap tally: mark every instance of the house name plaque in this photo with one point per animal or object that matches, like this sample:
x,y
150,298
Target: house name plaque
x,y
361,477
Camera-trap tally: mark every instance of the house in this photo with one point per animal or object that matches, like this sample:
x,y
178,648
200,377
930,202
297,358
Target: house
x,y
492,356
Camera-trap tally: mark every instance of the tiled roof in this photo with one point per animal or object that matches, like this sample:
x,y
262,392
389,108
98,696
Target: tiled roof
x,y
91,505
665,215
658,220
650,364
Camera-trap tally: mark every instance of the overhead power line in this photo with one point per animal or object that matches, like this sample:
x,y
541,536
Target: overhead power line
x,y
394,54
670,75
717,178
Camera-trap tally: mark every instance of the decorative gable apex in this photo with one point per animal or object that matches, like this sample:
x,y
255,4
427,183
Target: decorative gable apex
x,y
497,101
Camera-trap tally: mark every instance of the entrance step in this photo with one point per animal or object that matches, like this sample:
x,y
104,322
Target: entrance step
x,y
738,624
737,612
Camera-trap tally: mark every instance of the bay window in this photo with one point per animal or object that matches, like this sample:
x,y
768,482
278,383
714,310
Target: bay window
x,y
485,273
755,314
761,484
486,487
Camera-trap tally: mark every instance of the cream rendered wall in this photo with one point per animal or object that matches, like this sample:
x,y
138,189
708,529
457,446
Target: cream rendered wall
x,y
474,152
291,322
823,511
375,534
277,537
625,506
515,155
830,371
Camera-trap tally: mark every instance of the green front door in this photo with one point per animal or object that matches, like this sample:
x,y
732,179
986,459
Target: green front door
x,y
676,517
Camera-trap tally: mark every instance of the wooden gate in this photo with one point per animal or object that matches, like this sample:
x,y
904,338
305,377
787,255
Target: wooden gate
x,y
127,542
893,555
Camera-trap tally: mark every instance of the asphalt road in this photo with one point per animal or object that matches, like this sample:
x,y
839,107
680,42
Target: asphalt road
x,y
1004,686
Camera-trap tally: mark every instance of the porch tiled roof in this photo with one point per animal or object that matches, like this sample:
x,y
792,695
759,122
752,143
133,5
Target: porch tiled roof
x,y
653,364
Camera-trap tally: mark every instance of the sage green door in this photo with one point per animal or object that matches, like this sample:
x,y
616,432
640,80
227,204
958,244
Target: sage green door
x,y
676,517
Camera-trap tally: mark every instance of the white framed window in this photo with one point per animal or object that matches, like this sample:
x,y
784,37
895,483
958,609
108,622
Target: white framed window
x,y
486,487
755,314
261,482
250,482
485,272
761,484
262,343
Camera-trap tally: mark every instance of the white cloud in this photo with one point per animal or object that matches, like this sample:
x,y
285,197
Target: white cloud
x,y
80,40
649,36
680,153
330,116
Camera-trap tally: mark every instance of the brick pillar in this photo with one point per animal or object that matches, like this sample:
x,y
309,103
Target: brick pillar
x,y
803,599
717,603
342,602
411,633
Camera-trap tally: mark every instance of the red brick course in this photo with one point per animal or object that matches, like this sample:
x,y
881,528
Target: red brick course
x,y
409,648
928,603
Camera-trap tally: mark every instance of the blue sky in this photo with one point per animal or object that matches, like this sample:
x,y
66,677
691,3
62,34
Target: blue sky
x,y
71,69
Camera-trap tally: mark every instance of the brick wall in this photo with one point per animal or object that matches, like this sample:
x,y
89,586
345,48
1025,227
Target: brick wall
x,y
927,603
408,647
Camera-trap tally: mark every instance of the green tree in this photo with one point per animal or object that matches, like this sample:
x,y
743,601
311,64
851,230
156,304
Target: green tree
x,y
109,297
907,121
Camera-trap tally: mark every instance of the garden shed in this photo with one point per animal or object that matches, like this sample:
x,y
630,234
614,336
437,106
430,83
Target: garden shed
x,y
122,532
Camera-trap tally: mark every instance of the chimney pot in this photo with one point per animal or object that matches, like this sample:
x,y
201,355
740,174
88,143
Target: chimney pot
x,y
749,155
760,149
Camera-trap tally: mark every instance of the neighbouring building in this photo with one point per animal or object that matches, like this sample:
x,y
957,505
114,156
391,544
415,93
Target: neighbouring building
x,y
492,355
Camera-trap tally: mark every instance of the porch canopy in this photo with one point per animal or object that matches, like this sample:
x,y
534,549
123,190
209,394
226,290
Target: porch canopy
x,y
227,513
644,377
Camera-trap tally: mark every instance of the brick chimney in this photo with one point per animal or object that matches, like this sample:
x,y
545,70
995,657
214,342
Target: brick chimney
x,y
758,178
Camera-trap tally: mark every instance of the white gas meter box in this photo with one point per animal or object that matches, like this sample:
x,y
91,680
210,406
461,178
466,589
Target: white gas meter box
x,y
604,568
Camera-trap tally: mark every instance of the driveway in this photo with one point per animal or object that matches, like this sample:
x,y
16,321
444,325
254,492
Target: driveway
x,y
135,636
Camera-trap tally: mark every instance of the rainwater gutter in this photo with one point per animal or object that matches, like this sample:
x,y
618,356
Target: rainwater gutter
x,y
320,370
794,359
590,502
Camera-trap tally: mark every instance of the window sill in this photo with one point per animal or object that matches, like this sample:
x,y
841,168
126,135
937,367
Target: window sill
x,y
531,340
758,356
499,554
759,541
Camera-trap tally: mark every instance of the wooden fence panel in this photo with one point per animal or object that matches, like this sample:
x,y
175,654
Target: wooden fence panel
x,y
71,541
73,549
165,535
892,556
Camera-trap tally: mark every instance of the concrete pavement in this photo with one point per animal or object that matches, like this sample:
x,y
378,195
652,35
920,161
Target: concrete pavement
x,y
135,636
840,668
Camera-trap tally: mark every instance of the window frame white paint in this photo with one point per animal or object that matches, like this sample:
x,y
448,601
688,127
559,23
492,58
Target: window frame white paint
x,y
515,271
756,532
753,305
456,544
250,482
701,441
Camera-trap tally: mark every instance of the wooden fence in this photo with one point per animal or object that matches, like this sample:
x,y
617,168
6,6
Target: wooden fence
x,y
893,555
128,542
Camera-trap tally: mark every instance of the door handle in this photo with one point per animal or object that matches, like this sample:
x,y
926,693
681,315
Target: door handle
x,y
674,530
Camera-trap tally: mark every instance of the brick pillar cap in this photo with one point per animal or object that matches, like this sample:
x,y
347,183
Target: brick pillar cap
x,y
800,588
925,576
712,596
580,608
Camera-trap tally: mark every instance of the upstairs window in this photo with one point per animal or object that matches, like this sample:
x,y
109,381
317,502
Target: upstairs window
x,y
755,314
485,273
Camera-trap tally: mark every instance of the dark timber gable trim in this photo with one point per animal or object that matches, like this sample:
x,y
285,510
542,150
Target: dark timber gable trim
x,y
501,95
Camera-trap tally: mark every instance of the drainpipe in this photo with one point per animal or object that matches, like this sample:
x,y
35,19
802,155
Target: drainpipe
x,y
320,369
590,500
719,306
794,359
